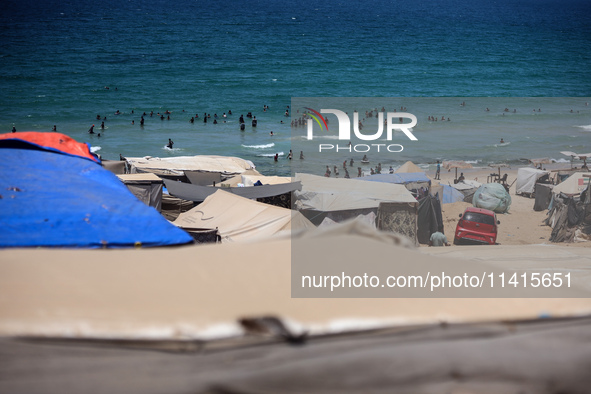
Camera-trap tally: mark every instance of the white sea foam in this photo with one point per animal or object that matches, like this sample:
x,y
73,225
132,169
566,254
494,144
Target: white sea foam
x,y
271,154
95,149
264,146
172,150
585,127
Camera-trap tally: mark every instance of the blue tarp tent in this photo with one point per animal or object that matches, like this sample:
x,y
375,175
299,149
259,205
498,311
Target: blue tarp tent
x,y
54,198
450,195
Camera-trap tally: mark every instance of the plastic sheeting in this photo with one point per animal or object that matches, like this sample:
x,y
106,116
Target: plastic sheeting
x,y
52,199
492,196
526,179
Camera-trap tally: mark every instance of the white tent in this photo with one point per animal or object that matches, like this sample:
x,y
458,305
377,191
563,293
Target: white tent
x,y
239,219
178,165
574,184
337,194
250,180
526,179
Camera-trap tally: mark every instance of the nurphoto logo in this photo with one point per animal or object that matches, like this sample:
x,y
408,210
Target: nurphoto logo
x,y
344,130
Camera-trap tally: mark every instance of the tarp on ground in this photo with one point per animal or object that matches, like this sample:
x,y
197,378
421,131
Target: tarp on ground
x,y
408,167
527,178
52,199
224,165
339,194
54,142
198,193
240,219
574,184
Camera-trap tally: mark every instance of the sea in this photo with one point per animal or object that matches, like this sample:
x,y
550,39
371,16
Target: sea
x,y
517,70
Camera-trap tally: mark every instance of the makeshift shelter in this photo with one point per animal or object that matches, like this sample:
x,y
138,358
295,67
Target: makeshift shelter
x,y
492,196
146,187
341,199
240,219
543,196
414,182
455,164
447,193
115,166
579,156
252,180
430,218
225,166
574,184
408,167
527,178
56,194
197,193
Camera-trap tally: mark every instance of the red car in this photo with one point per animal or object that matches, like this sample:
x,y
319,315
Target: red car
x,y
477,226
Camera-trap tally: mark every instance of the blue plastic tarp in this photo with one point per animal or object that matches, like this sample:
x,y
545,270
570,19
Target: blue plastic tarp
x,y
51,199
451,195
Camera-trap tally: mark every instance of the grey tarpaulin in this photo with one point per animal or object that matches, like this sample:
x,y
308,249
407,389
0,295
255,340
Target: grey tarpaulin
x,y
543,196
537,356
190,192
429,219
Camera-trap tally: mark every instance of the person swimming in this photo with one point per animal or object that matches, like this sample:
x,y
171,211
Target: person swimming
x,y
90,131
502,141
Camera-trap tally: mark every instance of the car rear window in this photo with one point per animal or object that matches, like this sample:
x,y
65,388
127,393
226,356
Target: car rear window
x,y
479,218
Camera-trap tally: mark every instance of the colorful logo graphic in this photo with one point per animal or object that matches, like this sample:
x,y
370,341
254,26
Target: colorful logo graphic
x,y
316,118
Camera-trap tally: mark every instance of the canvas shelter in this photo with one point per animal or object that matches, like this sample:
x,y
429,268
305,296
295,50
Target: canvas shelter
x,y
240,219
147,187
224,165
411,180
408,167
341,199
527,178
198,193
543,196
574,184
251,180
214,319
56,194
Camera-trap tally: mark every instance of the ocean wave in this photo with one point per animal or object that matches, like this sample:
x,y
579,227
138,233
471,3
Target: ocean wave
x,y
95,149
264,146
585,127
271,154
172,150
560,160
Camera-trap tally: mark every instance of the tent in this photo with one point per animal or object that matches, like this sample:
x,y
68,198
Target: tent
x,y
341,199
64,198
408,167
239,219
412,180
430,218
250,180
226,166
146,187
527,178
574,184
447,194
543,196
198,193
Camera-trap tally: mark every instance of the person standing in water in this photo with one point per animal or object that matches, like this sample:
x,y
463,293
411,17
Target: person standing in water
x,y
170,144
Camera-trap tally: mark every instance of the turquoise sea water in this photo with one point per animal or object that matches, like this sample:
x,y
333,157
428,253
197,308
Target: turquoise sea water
x,y
57,59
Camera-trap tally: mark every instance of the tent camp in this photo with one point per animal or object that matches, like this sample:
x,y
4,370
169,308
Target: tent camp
x,y
56,194
226,166
527,178
240,219
574,184
408,167
251,180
